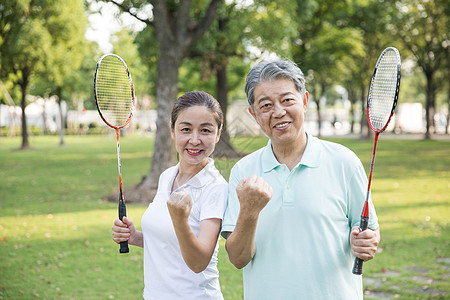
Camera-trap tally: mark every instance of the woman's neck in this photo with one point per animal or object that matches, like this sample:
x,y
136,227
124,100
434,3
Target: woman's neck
x,y
186,172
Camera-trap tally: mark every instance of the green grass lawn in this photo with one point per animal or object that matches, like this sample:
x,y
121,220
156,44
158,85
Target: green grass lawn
x,y
55,227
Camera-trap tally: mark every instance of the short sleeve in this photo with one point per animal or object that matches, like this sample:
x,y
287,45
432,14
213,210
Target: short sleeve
x,y
233,206
214,201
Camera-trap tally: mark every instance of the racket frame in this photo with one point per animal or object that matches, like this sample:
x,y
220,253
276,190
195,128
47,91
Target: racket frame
x,y
358,265
132,91
397,88
122,207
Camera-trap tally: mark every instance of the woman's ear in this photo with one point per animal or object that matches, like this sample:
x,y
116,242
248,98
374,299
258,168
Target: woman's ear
x,y
172,131
219,132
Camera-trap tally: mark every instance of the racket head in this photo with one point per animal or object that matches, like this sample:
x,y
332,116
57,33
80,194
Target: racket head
x,y
114,91
384,89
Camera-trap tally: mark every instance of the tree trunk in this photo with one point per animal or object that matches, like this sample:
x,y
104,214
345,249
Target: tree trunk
x,y
319,118
224,147
175,33
23,86
365,131
429,110
61,117
44,119
164,154
352,98
222,97
448,105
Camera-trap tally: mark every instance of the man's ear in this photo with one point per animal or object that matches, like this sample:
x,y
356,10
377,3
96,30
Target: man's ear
x,y
305,100
250,110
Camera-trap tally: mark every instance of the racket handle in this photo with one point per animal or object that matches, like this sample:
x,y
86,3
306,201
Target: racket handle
x,y
358,265
123,213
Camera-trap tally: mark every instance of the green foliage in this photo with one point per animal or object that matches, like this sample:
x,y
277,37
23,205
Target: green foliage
x,y
55,227
124,45
66,22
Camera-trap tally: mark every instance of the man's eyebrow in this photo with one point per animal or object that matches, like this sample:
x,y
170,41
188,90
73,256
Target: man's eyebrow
x,y
268,98
263,99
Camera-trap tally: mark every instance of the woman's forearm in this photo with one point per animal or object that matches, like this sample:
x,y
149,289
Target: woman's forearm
x,y
197,251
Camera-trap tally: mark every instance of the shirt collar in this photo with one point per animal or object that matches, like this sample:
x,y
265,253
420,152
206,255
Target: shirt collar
x,y
206,175
310,158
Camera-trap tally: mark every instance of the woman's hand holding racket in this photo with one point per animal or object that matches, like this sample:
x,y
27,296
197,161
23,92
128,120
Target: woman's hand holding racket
x,y
114,96
381,103
123,231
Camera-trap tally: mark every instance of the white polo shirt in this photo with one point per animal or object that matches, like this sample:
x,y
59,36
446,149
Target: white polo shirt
x,y
166,275
302,237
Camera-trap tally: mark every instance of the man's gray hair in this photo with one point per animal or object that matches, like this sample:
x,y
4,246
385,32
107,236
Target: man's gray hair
x,y
272,70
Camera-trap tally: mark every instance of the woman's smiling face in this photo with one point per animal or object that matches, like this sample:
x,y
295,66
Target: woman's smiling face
x,y
195,134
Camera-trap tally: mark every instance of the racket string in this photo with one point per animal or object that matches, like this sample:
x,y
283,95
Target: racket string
x,y
382,91
114,91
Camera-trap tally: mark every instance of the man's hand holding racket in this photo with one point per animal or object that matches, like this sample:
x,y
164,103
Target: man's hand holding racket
x,y
364,243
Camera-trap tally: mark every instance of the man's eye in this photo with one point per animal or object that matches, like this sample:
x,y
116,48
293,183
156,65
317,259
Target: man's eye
x,y
265,106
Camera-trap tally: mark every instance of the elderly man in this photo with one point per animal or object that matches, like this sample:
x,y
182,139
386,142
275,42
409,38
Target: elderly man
x,y
294,205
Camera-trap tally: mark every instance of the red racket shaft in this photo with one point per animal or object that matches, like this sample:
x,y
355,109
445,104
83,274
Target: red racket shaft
x,y
358,265
122,207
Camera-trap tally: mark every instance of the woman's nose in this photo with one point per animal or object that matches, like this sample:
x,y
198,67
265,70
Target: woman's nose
x,y
195,139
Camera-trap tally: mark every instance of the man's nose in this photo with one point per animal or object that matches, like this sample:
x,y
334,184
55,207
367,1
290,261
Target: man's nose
x,y
279,110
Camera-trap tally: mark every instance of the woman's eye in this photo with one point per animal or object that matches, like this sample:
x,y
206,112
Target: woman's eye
x,y
206,130
184,129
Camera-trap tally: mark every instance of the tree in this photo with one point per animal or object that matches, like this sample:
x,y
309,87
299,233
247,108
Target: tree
x,y
24,49
124,45
219,62
322,43
40,38
66,22
177,26
423,29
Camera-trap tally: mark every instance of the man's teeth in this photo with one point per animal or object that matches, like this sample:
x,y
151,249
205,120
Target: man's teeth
x,y
193,151
281,125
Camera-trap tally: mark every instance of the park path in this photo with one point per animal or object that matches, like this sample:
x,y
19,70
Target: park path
x,y
380,287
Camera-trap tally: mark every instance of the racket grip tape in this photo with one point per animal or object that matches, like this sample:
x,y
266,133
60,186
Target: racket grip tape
x,y
123,213
358,265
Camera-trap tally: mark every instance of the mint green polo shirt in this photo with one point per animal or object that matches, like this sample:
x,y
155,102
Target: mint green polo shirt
x,y
303,233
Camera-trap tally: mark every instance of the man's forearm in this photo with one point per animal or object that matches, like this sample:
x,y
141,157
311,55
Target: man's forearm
x,y
240,243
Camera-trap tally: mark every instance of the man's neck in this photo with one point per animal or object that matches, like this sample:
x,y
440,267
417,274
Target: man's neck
x,y
290,154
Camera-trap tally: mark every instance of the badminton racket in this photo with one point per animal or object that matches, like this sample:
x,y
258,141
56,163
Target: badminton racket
x,y
381,103
114,96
